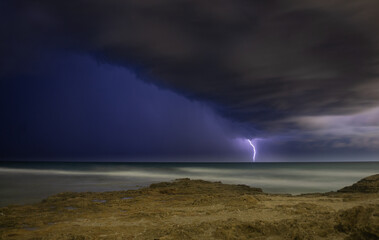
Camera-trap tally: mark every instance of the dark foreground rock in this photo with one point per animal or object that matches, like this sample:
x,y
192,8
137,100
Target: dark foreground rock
x,y
366,185
194,209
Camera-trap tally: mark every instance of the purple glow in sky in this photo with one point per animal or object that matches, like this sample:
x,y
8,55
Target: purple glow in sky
x,y
77,107
150,81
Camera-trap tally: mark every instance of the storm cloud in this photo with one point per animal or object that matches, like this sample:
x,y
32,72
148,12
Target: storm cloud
x,y
268,63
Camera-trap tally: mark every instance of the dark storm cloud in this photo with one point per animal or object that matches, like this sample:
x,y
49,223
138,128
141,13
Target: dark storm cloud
x,y
258,61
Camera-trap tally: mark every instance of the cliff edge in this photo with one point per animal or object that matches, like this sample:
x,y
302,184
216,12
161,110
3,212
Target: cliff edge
x,y
366,185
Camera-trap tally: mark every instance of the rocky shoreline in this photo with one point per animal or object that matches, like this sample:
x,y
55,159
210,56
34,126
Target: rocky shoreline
x,y
197,209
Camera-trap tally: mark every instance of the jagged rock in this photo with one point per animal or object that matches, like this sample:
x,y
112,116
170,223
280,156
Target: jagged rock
x,y
366,185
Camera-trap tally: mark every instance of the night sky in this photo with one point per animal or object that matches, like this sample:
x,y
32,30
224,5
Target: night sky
x,y
181,80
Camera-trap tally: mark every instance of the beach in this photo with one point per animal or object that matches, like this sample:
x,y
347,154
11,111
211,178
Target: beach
x,y
198,209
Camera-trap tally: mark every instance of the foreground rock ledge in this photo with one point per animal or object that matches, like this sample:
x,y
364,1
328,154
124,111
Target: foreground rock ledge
x,y
196,209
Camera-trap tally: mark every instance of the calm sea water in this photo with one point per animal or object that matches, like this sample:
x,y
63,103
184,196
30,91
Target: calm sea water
x,y
22,182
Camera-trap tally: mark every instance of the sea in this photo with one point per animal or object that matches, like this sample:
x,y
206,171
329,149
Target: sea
x,y
31,182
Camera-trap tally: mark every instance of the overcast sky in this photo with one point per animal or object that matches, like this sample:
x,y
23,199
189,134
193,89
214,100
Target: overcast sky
x,y
189,79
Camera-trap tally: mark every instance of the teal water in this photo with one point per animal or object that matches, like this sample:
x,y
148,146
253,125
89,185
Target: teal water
x,y
30,182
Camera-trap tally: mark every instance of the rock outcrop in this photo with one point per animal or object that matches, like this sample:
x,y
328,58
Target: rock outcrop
x,y
197,209
366,185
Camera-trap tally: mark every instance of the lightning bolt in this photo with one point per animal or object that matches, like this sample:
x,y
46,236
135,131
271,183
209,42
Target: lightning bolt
x,y
252,145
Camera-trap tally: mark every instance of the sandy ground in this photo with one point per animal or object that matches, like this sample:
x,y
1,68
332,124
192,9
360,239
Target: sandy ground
x,y
194,209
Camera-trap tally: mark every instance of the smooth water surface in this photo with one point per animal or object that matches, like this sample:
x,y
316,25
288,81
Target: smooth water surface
x,y
22,182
